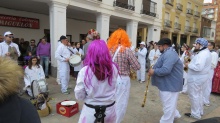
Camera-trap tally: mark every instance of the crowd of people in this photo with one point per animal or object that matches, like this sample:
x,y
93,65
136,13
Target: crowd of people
x,y
103,75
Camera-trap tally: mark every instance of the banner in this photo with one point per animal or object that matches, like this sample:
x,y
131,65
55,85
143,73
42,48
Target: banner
x,y
21,22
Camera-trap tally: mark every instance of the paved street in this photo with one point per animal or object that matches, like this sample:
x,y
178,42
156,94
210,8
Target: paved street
x,y
151,113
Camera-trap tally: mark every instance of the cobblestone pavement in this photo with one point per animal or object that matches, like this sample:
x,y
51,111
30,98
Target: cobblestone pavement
x,y
151,113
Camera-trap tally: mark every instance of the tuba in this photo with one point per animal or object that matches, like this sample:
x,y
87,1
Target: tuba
x,y
13,53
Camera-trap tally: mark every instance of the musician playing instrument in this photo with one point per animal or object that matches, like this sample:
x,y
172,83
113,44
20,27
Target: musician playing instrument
x,y
185,58
8,48
167,75
79,52
33,71
154,54
63,54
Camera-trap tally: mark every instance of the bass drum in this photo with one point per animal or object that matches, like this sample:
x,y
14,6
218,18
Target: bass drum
x,y
75,60
38,87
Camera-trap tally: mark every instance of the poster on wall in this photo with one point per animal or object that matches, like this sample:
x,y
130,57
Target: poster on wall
x,y
20,22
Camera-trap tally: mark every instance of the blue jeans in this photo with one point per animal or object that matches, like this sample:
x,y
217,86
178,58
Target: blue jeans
x,y
44,60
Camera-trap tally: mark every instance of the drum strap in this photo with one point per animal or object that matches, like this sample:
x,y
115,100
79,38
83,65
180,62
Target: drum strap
x,y
116,53
99,111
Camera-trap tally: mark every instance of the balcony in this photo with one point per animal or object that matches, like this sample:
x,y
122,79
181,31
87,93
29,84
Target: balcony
x,y
196,14
179,8
149,8
177,26
167,24
169,4
188,29
95,1
195,30
189,12
147,12
123,5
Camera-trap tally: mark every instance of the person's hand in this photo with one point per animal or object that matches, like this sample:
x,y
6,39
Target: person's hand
x,y
67,60
150,72
155,57
77,53
7,54
186,64
136,50
29,54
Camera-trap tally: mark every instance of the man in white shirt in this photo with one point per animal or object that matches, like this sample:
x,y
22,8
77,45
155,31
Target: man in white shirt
x,y
207,87
141,53
8,48
154,54
62,54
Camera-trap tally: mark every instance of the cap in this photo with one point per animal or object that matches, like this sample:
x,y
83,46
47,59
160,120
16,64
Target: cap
x,y
202,41
142,43
164,41
62,37
8,33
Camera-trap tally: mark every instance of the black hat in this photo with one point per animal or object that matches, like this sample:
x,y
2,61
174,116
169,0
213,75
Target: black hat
x,y
62,37
164,41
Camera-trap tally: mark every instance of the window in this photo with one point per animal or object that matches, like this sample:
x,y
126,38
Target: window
x,y
187,22
194,25
167,16
131,2
196,8
188,5
177,19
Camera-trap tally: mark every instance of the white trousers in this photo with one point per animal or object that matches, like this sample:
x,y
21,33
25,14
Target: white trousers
x,y
122,96
196,98
142,72
64,71
58,73
207,88
169,102
185,82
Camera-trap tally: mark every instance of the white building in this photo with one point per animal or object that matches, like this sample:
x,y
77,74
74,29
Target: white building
x,y
76,17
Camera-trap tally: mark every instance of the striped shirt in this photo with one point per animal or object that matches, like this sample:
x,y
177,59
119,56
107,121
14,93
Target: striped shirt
x,y
125,60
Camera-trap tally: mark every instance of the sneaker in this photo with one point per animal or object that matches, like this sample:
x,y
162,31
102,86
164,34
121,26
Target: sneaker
x,y
66,93
207,105
190,115
69,88
47,76
141,81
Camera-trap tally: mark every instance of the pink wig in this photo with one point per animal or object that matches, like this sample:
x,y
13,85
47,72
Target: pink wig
x,y
98,60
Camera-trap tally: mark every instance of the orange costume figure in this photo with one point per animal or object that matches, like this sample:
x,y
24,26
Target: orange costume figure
x,y
119,46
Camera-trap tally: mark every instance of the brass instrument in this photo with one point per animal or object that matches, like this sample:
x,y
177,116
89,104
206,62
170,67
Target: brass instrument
x,y
187,59
13,53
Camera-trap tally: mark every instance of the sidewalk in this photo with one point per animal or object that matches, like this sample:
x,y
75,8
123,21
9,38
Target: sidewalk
x,y
151,113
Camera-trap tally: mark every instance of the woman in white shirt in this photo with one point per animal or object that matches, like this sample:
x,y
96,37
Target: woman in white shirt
x,y
77,51
154,54
33,71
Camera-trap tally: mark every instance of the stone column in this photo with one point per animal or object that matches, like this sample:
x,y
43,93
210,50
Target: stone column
x,y
188,40
153,33
144,34
102,25
131,29
57,28
178,38
170,35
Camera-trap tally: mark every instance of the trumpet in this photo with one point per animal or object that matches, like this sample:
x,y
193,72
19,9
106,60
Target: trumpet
x,y
186,60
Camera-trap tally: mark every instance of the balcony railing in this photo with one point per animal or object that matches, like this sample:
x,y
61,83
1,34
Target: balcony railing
x,y
147,12
169,2
123,5
179,6
167,23
189,11
195,30
197,14
149,8
177,26
188,28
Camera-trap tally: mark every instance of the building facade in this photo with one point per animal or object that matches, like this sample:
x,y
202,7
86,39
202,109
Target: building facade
x,y
208,27
75,17
210,10
181,20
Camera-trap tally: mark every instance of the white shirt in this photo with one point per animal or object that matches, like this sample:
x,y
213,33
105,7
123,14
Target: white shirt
x,y
34,73
62,53
141,55
214,59
199,67
100,93
4,48
153,53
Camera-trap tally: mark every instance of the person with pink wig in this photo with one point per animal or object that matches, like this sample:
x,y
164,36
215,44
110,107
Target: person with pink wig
x,y
96,85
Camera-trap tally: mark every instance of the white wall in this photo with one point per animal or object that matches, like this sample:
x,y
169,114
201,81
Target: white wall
x,y
74,27
25,33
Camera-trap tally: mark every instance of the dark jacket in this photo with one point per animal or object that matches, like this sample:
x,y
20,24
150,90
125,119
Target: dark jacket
x,y
18,110
33,50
